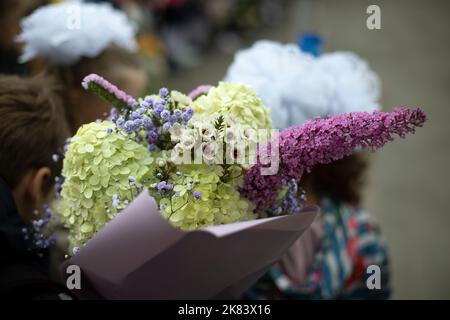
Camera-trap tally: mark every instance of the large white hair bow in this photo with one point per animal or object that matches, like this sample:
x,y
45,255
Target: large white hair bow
x,y
65,32
297,86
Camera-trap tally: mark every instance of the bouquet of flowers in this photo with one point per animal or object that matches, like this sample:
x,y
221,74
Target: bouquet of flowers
x,y
210,165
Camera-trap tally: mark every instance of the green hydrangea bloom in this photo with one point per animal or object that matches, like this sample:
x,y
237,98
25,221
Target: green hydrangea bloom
x,y
237,102
103,170
219,203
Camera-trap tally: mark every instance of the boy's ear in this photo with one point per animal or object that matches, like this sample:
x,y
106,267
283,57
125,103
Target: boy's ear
x,y
30,193
38,181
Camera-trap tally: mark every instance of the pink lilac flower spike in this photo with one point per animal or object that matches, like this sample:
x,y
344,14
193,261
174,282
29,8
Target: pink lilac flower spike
x,y
200,90
108,91
321,141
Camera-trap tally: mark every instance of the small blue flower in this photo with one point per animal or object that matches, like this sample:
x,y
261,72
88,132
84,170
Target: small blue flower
x,y
159,107
177,112
120,122
187,115
131,102
52,239
135,115
148,103
113,112
166,126
162,185
129,126
147,123
165,115
66,144
163,92
137,124
152,135
197,195
173,119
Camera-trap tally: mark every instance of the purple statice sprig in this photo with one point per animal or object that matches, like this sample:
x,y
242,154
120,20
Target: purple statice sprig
x,y
290,203
321,141
57,159
59,181
151,121
199,91
107,91
144,120
36,233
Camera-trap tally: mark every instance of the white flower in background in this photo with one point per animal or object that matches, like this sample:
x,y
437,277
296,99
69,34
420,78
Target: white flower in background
x,y
297,86
48,32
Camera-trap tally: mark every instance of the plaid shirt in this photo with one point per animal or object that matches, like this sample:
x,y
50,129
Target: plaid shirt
x,y
350,244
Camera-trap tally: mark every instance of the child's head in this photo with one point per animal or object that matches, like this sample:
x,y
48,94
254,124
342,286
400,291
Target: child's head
x,y
74,39
33,128
341,181
123,68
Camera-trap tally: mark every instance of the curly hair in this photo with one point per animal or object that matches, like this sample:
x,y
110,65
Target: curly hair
x,y
341,181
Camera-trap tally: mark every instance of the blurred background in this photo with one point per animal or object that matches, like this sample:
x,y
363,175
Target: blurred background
x,y
187,43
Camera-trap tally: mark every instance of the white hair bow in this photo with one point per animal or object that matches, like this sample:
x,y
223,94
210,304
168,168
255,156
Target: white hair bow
x,y
297,86
68,31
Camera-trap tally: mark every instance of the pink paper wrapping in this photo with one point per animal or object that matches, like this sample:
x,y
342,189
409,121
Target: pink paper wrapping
x,y
297,261
139,255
